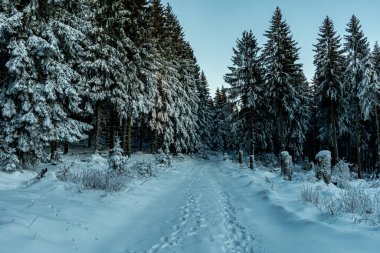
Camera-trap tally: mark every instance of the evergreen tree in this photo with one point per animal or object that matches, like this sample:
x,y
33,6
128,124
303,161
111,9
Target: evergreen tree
x,y
116,161
174,117
139,30
40,96
328,60
204,111
356,77
285,82
370,97
220,124
246,80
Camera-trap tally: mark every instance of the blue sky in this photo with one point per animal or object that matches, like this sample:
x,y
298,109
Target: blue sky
x,y
212,26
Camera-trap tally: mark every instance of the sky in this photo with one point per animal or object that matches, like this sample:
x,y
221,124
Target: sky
x,y
213,26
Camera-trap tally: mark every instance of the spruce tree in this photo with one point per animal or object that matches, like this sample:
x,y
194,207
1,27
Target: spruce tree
x,y
375,98
139,30
220,129
174,118
356,78
369,95
247,85
204,111
285,82
41,96
328,60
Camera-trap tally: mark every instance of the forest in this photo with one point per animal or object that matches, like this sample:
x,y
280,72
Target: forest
x,y
90,72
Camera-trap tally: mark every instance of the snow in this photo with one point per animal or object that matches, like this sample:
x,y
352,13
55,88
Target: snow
x,y
323,154
193,206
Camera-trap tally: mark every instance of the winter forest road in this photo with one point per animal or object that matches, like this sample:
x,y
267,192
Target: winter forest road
x,y
215,206
195,215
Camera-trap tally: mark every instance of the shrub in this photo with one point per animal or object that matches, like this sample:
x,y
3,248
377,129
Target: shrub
x,y
143,169
341,174
163,159
107,180
353,200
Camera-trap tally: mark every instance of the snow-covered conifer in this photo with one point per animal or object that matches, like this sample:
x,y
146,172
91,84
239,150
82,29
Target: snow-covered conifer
x,y
116,161
246,78
329,91
357,77
205,113
285,82
40,96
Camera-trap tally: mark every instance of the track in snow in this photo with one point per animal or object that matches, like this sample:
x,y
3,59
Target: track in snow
x,y
204,220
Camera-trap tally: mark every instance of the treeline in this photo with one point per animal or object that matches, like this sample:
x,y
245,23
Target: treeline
x,y
272,108
93,70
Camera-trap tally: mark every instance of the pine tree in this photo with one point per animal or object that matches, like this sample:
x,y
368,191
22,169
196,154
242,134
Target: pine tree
x,y
174,117
369,95
246,80
328,60
116,161
139,30
186,129
220,124
285,81
159,119
40,96
204,111
356,78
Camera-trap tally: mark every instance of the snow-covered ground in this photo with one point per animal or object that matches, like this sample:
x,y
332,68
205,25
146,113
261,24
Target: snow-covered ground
x,y
193,206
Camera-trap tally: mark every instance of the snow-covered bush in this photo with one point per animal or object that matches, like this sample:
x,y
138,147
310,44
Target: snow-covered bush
x,y
9,162
310,195
341,174
63,174
353,200
143,169
179,157
107,180
356,200
268,160
163,159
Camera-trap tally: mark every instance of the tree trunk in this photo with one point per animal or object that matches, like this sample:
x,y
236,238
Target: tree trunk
x,y
66,148
358,140
112,129
334,137
281,129
141,136
252,146
153,144
124,136
129,136
377,139
89,140
98,115
251,155
53,150
240,157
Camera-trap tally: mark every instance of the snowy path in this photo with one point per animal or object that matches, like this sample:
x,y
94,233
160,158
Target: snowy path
x,y
200,206
201,217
